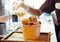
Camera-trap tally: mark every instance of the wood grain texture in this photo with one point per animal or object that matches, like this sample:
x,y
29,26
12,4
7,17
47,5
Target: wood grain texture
x,y
44,37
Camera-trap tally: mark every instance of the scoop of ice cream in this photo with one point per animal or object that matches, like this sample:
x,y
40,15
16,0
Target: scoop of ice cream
x,y
25,21
32,20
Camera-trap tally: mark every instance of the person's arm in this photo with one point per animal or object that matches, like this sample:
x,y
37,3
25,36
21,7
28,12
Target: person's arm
x,y
33,11
29,9
48,6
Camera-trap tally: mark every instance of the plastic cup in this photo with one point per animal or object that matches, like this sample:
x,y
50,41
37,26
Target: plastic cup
x,y
31,31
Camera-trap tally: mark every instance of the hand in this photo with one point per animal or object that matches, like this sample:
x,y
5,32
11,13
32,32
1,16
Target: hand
x,y
18,5
25,6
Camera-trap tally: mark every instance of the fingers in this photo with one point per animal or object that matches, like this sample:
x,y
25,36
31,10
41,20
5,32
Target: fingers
x,y
14,5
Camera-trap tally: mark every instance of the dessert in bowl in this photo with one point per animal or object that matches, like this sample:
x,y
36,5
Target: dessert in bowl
x,y
31,28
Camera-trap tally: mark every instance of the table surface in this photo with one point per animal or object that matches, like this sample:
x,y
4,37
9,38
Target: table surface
x,y
12,37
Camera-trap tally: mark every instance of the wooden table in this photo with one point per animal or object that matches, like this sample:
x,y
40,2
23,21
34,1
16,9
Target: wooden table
x,y
18,37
